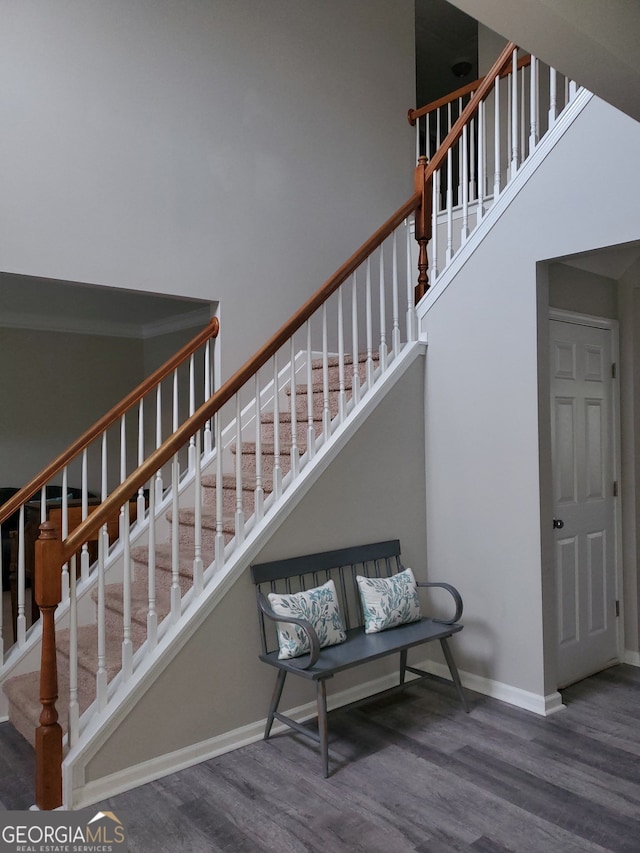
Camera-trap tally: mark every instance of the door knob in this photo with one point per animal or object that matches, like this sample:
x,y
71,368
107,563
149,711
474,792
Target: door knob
x,y
558,524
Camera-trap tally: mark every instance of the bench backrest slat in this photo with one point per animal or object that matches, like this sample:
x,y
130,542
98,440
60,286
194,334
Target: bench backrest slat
x,y
342,566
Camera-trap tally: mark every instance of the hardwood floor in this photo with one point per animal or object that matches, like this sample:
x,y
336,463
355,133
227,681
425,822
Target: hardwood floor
x,y
410,772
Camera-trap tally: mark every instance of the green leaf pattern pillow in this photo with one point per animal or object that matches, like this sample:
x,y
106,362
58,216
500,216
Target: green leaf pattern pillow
x,y
318,606
387,602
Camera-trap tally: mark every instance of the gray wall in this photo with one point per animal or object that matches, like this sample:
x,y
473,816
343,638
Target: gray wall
x,y
373,490
233,151
488,521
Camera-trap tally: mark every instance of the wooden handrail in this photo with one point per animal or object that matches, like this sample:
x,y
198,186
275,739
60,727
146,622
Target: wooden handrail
x,y
456,131
54,467
425,170
414,115
207,410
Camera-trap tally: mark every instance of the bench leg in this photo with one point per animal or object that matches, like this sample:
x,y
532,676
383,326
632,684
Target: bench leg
x,y
403,665
323,727
453,669
275,700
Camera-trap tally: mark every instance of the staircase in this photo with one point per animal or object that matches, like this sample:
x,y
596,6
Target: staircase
x,y
254,442
23,690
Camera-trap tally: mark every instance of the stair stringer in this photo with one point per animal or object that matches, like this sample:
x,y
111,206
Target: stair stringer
x,y
76,792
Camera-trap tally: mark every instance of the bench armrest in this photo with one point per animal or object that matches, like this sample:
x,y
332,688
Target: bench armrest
x,y
456,597
306,626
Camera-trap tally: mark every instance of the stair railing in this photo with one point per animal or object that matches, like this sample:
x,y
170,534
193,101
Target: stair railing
x,y
269,420
521,104
71,486
278,410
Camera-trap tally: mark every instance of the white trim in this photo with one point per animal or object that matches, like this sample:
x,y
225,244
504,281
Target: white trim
x,y
631,658
501,205
163,765
613,326
539,704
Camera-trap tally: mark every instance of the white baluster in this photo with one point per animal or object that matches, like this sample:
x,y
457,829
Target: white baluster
x,y
176,593
449,252
369,322
355,354
434,218
427,137
277,468
311,433
159,485
21,623
84,555
293,403
239,517
496,140
482,162
533,104
101,674
417,140
395,332
411,314
514,116
140,508
208,439
383,352
553,97
152,613
523,116
123,471
198,566
342,392
259,488
127,641
472,158
192,408
465,186
74,707
461,157
64,530
566,91
104,489
219,555
573,89
326,412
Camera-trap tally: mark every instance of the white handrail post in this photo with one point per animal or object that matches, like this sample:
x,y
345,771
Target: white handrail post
x,y
382,354
533,104
514,116
355,380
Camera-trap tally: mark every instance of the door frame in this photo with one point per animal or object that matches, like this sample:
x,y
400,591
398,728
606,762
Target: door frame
x,y
614,327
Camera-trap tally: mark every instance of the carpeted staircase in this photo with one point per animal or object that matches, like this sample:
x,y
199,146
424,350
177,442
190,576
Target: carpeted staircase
x,y
23,691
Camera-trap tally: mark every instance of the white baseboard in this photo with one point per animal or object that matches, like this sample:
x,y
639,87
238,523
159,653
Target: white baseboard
x,y
536,702
156,768
163,765
632,658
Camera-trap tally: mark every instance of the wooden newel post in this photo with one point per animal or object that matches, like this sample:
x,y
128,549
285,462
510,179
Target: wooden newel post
x,y
423,226
48,594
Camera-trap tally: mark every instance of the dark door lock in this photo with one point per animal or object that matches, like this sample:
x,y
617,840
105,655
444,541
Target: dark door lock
x,y
558,524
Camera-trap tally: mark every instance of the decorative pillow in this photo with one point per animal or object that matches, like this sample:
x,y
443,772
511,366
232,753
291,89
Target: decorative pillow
x,y
318,606
387,602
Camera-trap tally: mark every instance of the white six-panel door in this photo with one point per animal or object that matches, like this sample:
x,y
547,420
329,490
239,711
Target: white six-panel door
x,y
583,484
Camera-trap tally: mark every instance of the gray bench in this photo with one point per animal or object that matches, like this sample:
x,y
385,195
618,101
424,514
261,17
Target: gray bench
x,y
381,559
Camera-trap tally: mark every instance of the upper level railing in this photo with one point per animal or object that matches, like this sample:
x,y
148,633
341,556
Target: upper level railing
x,y
521,102
76,481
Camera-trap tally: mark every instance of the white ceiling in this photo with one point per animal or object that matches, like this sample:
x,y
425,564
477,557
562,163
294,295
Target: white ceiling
x,y
595,42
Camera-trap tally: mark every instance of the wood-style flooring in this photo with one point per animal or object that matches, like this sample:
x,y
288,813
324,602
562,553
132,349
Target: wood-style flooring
x,y
410,772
